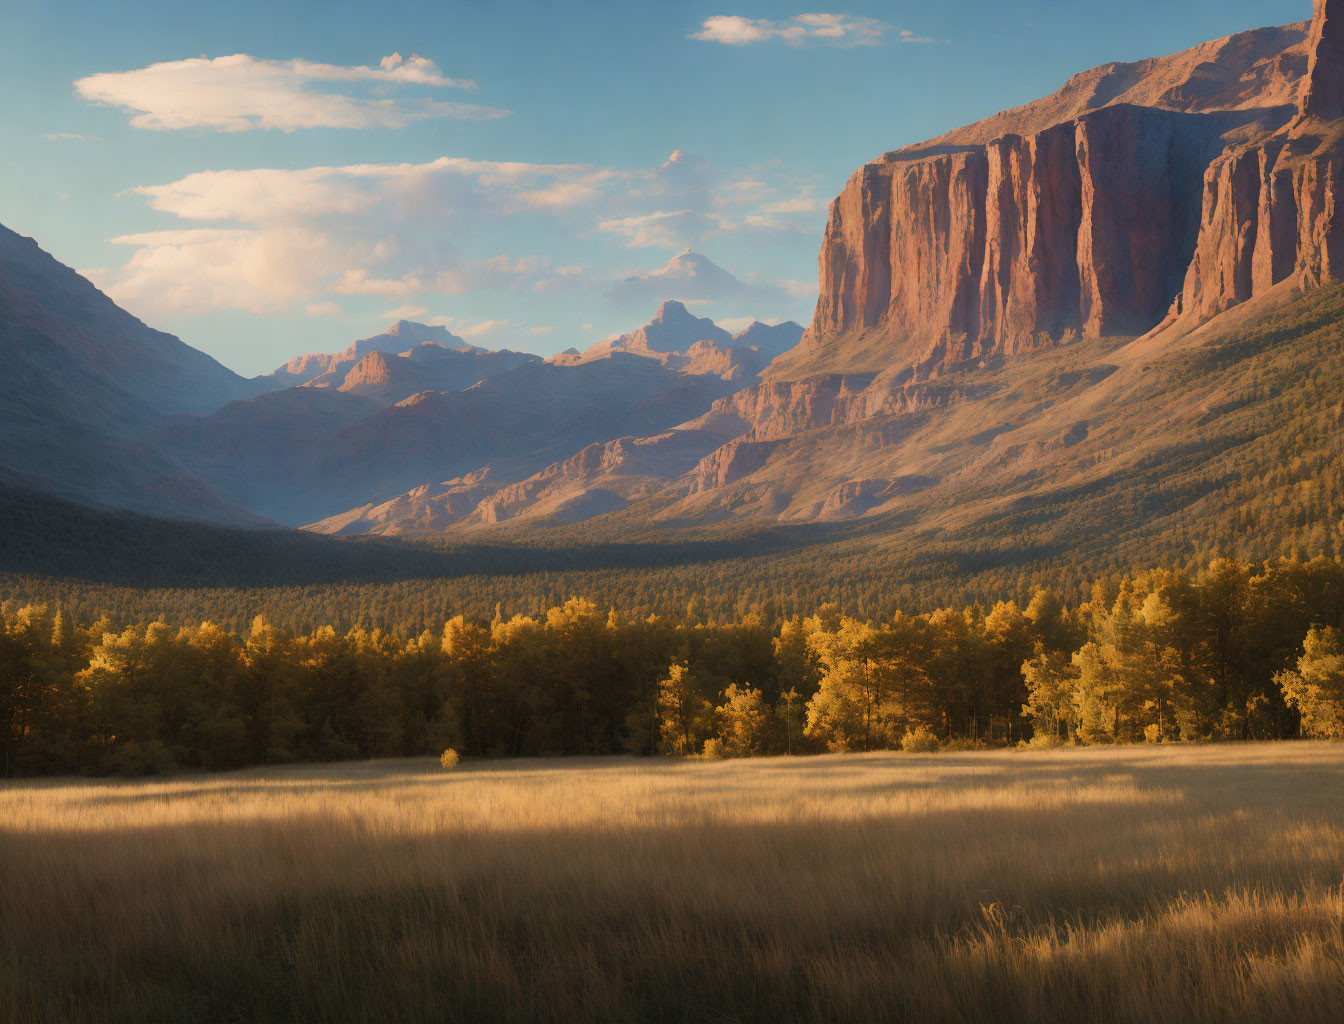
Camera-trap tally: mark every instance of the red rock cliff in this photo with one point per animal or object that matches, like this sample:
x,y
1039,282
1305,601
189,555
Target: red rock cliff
x,y
1078,215
1269,206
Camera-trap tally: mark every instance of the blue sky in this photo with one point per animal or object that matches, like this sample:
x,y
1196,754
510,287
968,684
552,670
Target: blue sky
x,y
509,177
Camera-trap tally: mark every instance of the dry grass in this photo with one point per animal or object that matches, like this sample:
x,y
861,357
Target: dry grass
x,y
1128,884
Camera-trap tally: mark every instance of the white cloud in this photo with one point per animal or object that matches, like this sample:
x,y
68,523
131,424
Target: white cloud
x,y
546,329
241,92
70,137
831,29
804,203
668,229
404,313
322,309
800,289
470,328
910,37
377,230
198,270
269,239
697,281
389,189
357,281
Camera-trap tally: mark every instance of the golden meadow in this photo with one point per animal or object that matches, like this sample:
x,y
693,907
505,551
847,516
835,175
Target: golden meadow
x,y
1127,883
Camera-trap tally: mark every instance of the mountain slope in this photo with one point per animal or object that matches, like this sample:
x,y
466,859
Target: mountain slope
x,y
402,335
673,329
392,376
504,448
1003,318
506,427
84,385
45,298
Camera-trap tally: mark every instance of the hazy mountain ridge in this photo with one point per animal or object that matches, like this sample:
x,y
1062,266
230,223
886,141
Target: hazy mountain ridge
x,y
378,427
99,408
84,385
398,337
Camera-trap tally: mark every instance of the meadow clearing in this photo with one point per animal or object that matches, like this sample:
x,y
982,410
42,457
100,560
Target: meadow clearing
x,y
1156,883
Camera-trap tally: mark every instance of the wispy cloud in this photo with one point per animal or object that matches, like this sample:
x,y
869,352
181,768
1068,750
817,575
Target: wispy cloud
x,y
404,313
241,92
697,280
668,229
471,328
910,37
70,137
830,29
268,240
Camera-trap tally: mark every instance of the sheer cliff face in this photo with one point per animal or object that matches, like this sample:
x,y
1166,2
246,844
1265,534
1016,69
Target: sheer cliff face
x,y
1083,229
1079,215
1268,214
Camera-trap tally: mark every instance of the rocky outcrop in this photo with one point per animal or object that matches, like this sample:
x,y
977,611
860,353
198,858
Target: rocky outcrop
x,y
853,498
729,464
775,410
1077,216
1269,207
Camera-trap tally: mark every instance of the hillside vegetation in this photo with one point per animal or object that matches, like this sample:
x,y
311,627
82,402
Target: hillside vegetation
x,y
1228,653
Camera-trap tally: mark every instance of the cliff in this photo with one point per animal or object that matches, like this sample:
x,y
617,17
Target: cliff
x,y
1080,215
1268,213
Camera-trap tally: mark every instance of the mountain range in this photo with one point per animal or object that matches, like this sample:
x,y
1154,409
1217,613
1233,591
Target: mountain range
x,y
1106,292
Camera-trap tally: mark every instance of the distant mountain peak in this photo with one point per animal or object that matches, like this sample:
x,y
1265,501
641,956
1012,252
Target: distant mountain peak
x,y
418,333
772,339
672,311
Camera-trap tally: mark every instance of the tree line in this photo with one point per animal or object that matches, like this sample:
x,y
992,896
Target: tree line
x,y
1231,651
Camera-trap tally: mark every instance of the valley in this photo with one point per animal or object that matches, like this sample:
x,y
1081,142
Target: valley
x,y
581,609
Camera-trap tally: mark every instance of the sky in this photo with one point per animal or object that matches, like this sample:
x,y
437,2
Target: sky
x,y
266,179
